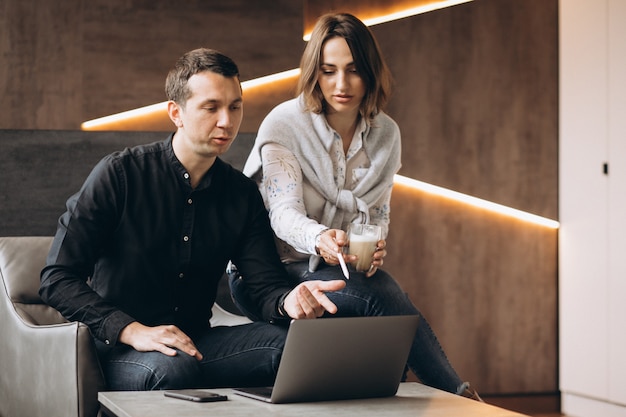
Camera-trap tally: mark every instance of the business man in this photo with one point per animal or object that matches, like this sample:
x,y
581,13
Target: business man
x,y
139,252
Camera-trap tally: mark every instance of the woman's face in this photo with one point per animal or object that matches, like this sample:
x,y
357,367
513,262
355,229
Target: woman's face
x,y
340,83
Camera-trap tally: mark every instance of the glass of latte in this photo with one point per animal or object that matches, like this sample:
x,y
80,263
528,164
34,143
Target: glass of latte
x,y
362,241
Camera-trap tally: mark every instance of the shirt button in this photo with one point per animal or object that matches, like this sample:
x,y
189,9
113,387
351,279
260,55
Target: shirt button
x,y
186,238
176,309
186,175
181,275
190,201
107,342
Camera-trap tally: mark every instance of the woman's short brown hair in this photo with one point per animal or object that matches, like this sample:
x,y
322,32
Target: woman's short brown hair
x,y
367,58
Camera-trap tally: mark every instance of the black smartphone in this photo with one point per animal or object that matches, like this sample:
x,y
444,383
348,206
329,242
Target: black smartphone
x,y
196,395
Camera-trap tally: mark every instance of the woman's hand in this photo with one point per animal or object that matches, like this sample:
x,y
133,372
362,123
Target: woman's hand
x,y
331,244
377,258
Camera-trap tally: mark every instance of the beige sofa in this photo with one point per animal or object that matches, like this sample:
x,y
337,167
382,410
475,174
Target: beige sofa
x,y
48,366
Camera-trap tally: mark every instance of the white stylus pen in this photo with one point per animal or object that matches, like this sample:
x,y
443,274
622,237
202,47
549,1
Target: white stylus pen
x,y
344,268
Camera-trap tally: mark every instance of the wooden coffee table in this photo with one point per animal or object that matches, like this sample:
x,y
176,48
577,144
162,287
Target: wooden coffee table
x,y
412,399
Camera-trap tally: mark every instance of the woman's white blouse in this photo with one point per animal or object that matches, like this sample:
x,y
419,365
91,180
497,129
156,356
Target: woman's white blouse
x,y
295,207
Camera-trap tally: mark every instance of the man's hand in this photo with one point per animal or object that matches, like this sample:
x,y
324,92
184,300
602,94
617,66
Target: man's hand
x,y
160,338
308,300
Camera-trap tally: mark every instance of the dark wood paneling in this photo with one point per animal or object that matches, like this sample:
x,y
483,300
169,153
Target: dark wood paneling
x,y
476,99
67,62
487,285
476,94
40,63
140,41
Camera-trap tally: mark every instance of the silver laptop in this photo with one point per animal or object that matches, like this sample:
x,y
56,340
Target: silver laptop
x,y
340,358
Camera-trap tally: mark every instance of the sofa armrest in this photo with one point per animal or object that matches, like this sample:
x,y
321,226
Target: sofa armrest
x,y
49,366
49,370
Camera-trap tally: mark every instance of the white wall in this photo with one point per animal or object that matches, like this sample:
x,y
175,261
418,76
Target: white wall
x,y
592,207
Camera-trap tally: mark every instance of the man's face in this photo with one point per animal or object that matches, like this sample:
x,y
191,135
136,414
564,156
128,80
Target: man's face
x,y
211,118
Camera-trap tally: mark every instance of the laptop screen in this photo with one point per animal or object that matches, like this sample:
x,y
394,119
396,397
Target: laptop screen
x,y
341,358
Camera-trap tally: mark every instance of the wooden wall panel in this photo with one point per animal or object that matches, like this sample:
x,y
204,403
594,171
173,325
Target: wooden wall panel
x,y
63,63
476,93
40,63
487,285
476,99
140,40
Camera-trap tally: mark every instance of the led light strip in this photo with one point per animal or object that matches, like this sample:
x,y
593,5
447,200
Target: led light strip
x,y
476,202
406,13
138,112
162,107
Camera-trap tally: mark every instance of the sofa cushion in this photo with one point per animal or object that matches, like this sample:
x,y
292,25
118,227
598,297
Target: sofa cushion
x,y
21,260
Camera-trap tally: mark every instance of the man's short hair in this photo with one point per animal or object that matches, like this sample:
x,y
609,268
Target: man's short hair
x,y
194,62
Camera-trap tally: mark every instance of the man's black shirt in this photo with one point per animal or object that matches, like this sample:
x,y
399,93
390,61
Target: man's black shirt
x,y
138,243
